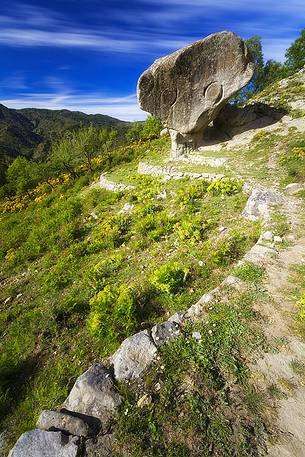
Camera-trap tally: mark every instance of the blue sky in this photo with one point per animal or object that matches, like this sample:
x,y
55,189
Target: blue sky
x,y
87,55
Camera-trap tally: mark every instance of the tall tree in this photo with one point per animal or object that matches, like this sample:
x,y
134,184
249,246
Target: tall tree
x,y
64,157
295,54
22,175
254,45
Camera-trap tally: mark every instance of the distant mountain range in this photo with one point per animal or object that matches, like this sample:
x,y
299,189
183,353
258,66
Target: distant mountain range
x,y
30,131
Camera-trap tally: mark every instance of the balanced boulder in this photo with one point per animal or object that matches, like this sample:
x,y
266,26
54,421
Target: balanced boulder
x,y
188,88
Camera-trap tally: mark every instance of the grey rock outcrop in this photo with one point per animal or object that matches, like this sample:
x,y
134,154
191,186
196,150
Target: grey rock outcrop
x,y
38,443
133,357
55,420
94,394
188,88
259,203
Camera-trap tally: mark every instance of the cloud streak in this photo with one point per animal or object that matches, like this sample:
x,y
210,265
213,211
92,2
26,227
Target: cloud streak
x,y
156,29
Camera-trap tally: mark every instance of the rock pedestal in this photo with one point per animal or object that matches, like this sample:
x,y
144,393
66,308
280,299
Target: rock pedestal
x,y
188,88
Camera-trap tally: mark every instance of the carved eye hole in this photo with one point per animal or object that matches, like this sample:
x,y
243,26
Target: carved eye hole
x,y
169,96
147,82
213,92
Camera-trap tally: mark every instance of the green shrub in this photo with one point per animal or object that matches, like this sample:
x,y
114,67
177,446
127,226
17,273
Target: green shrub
x,y
193,230
228,250
260,136
101,272
81,182
155,226
147,130
135,131
225,186
74,303
113,231
170,278
191,193
294,160
301,308
61,274
113,314
151,128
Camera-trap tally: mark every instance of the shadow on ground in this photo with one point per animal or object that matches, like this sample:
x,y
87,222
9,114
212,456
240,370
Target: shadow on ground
x,y
233,120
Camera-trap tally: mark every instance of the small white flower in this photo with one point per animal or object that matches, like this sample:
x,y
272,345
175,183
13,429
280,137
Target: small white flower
x,y
210,332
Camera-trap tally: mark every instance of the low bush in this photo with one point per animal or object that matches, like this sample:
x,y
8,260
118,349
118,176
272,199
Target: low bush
x,y
170,278
249,272
112,315
102,271
154,226
193,229
61,274
301,308
229,249
225,186
113,231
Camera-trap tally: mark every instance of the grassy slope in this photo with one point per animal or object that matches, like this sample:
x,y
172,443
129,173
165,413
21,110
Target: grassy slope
x,y
49,255
30,131
58,254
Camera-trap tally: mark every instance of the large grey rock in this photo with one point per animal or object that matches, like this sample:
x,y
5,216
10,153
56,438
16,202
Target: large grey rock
x,y
38,443
134,356
94,394
259,203
188,88
55,420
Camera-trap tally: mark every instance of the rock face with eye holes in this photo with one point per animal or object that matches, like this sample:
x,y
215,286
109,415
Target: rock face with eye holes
x,y
188,88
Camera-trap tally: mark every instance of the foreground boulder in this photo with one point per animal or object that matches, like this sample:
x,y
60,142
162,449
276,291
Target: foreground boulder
x,y
38,443
94,394
188,88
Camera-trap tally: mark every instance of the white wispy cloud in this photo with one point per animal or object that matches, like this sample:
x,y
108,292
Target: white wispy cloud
x,y
125,108
157,29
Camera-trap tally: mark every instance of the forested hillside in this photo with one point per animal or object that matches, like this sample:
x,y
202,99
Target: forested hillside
x,y
30,132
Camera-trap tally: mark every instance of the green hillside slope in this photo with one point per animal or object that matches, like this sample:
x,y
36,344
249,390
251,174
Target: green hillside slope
x,y
29,132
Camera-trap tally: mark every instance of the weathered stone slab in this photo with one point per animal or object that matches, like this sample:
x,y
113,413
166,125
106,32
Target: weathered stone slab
x,y
188,88
38,443
134,356
94,394
55,420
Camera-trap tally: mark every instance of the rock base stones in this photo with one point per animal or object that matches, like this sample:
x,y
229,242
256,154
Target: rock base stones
x,y
38,443
188,88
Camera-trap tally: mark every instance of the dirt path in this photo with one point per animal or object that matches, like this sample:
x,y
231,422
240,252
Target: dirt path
x,y
275,369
